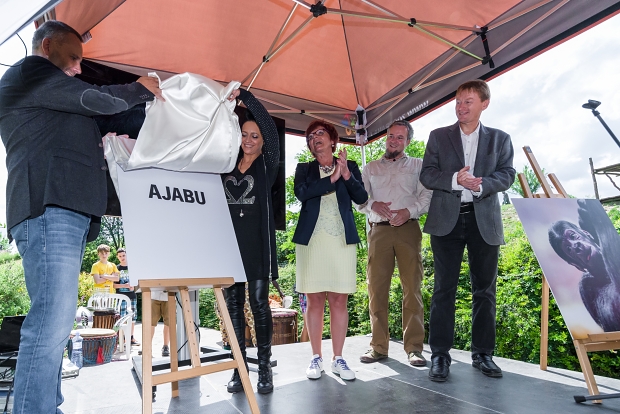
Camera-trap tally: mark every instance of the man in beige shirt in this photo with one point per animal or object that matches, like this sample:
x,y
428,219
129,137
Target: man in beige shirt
x,y
396,200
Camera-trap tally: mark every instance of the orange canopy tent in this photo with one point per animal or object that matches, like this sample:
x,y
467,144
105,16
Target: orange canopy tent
x,y
394,58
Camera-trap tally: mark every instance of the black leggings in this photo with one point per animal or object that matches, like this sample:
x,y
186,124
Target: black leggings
x,y
259,302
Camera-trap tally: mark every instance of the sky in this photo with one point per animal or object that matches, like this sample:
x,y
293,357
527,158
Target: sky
x,y
538,104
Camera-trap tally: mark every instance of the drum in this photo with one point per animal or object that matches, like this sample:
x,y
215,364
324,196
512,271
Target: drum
x,y
104,318
284,326
94,340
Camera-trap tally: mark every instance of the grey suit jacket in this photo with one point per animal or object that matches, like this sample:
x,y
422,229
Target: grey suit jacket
x,y
444,156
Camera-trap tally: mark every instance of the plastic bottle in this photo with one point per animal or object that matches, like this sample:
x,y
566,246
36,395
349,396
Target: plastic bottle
x,y
76,353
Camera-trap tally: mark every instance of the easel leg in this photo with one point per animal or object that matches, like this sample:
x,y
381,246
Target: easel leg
x,y
236,351
147,352
172,327
544,324
190,329
586,368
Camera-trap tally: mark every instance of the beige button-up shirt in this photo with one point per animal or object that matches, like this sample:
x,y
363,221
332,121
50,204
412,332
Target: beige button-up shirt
x,y
396,181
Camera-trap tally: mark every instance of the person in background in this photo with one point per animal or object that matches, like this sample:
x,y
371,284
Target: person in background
x,y
103,272
466,165
326,239
396,200
159,310
248,192
56,193
124,288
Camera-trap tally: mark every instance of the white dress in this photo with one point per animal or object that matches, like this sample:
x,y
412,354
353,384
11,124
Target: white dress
x,y
327,263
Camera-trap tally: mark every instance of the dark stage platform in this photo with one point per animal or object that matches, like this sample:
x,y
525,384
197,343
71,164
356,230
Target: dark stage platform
x,y
391,386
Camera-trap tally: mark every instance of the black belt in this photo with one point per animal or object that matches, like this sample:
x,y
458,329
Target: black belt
x,y
466,208
386,223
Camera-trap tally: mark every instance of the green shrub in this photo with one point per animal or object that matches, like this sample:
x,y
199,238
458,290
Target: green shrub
x,y
14,299
6,256
85,288
206,309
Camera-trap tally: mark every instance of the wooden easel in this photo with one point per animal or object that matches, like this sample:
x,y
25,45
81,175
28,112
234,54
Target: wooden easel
x,y
594,342
175,375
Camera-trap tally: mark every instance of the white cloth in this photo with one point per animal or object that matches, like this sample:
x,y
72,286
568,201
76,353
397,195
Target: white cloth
x,y
117,151
161,295
195,130
470,150
396,181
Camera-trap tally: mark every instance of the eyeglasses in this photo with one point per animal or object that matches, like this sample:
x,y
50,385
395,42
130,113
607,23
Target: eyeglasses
x,y
317,133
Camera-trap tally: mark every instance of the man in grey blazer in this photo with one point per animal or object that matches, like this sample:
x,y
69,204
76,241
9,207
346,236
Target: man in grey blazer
x,y
466,164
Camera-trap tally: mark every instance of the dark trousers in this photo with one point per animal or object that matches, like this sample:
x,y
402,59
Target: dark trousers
x,y
448,253
259,302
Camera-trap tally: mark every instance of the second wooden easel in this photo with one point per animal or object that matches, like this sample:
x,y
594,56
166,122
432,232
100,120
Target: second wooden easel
x,y
594,342
197,369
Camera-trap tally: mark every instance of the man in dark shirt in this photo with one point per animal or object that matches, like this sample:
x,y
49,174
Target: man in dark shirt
x,y
56,193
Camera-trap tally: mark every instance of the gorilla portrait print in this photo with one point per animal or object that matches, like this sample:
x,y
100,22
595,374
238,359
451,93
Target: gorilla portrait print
x,y
578,249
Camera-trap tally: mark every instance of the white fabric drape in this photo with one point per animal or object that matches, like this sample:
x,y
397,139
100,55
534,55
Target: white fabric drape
x,y
194,130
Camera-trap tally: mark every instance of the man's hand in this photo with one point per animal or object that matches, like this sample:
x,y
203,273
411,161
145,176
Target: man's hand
x,y
342,163
152,84
467,180
400,217
382,209
336,175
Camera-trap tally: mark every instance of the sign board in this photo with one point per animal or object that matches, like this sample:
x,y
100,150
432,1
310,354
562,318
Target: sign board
x,y
177,226
577,248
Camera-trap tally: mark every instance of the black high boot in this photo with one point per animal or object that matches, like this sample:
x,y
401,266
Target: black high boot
x,y
263,325
235,300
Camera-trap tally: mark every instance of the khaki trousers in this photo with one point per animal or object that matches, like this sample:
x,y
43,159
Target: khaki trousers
x,y
386,243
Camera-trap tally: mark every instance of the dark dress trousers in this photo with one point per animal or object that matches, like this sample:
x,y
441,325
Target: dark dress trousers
x,y
54,153
452,230
309,187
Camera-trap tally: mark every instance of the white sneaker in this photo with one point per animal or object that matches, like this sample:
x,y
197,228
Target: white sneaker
x,y
340,368
315,368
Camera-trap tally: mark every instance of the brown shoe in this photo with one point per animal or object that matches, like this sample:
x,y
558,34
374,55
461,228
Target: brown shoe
x,y
416,359
372,356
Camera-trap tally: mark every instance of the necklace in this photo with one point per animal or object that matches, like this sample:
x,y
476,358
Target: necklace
x,y
328,169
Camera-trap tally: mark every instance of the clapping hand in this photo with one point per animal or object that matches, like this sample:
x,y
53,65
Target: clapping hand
x,y
467,180
342,163
382,209
336,174
400,217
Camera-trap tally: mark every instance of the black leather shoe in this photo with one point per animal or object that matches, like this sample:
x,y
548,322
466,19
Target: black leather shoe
x,y
485,364
235,385
440,368
265,378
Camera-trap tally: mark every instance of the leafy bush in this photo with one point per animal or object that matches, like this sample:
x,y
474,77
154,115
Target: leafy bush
x,y
6,256
85,288
14,299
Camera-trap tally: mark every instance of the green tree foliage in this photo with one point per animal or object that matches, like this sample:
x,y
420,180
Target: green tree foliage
x,y
4,241
111,233
14,299
530,177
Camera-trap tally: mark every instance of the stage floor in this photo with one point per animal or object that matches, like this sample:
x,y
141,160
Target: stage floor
x,y
390,386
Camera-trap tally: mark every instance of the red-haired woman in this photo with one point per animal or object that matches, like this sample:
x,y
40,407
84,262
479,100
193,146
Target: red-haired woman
x,y
325,240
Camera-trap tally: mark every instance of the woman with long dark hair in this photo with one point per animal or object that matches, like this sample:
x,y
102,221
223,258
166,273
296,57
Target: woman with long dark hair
x,y
248,192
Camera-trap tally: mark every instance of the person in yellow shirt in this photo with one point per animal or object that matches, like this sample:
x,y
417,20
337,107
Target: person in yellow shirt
x,y
104,272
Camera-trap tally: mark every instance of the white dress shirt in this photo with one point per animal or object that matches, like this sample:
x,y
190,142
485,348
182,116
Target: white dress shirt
x,y
470,149
396,181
